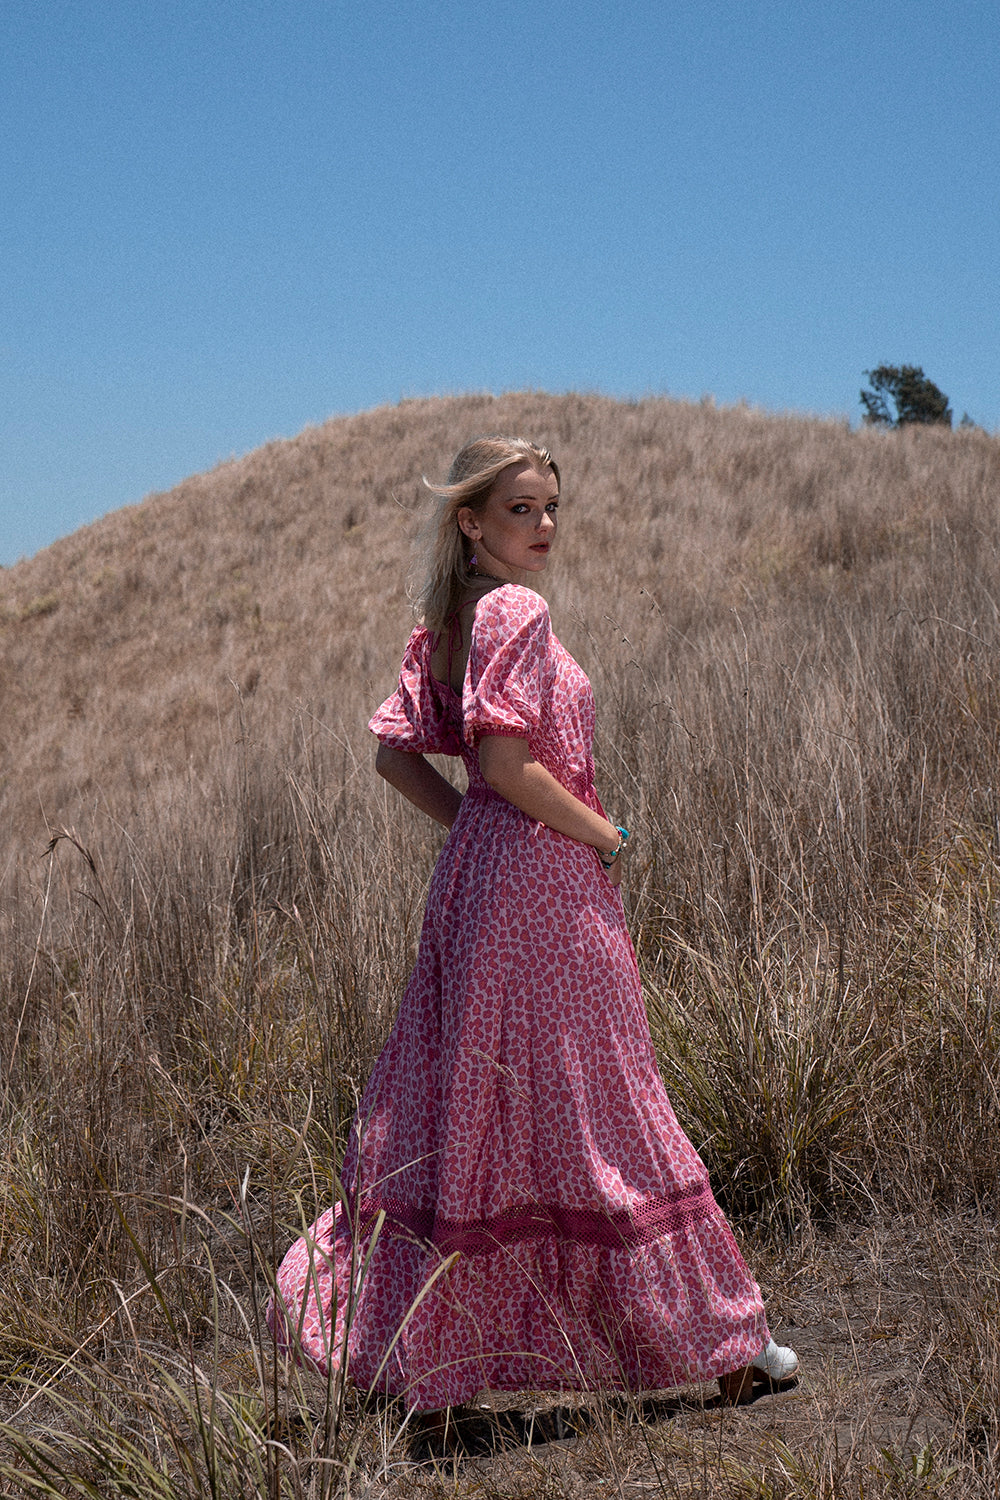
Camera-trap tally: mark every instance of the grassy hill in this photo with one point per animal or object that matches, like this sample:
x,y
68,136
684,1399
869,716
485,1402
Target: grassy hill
x,y
281,576
793,635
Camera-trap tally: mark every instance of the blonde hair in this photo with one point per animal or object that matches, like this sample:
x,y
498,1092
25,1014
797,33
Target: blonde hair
x,y
445,547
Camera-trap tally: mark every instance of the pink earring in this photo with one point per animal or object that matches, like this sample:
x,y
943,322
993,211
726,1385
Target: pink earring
x,y
473,560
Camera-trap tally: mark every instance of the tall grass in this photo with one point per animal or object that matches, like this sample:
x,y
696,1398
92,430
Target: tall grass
x,y
208,907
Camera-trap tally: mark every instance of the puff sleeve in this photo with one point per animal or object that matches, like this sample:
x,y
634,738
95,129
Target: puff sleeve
x,y
415,718
510,672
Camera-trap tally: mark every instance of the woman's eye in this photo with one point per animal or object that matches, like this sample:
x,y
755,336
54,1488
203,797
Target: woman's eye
x,y
518,509
553,505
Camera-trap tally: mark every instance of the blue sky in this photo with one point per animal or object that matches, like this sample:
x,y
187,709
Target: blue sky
x,y
222,221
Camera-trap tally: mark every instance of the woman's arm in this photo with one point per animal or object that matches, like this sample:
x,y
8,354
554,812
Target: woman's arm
x,y
509,768
419,783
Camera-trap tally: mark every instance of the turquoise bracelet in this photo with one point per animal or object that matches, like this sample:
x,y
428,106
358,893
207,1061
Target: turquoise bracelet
x,y
607,860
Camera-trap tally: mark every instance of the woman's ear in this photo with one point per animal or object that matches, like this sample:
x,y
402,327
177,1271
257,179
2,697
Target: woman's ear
x,y
468,524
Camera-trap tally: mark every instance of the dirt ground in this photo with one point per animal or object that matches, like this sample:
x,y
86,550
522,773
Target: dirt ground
x,y
876,1411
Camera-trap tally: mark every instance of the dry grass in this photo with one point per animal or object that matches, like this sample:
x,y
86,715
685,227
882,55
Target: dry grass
x,y
793,634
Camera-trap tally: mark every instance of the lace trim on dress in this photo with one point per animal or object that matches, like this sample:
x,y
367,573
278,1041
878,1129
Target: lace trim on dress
x,y
500,730
617,1228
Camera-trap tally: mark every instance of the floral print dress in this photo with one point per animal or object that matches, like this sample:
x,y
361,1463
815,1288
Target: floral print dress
x,y
523,1210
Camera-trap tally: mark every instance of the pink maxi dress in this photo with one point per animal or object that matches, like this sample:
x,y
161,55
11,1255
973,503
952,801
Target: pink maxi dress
x,y
515,1136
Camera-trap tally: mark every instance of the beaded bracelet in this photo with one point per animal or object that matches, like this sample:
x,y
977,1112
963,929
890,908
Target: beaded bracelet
x,y
607,860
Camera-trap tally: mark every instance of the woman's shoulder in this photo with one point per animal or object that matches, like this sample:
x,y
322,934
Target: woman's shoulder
x,y
416,717
417,654
512,605
419,640
511,623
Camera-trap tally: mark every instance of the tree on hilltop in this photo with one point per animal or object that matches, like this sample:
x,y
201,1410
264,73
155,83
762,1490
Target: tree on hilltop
x,y
913,397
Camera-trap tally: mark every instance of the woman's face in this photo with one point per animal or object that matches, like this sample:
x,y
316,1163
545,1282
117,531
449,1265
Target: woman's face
x,y
514,531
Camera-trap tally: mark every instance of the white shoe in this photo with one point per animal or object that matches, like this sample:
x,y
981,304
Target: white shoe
x,y
775,1363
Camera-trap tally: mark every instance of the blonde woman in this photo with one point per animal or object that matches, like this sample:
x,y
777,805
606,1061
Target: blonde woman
x,y
535,1215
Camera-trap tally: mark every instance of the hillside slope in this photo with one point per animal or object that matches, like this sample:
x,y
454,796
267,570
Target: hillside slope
x,y
279,578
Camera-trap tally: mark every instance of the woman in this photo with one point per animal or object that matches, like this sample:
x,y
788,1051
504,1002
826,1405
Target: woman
x,y
521,1209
